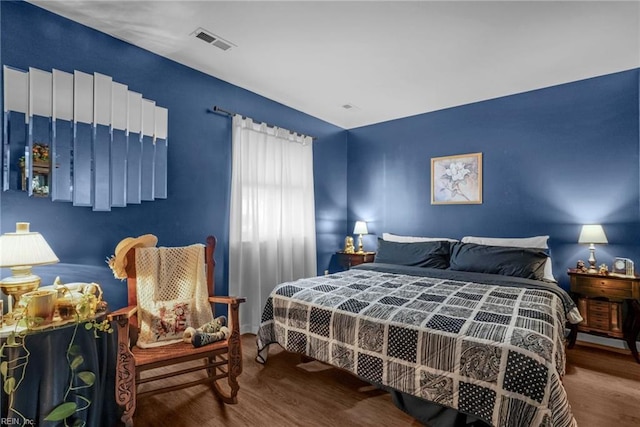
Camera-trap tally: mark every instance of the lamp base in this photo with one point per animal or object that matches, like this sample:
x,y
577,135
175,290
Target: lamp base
x,y
592,260
20,283
360,246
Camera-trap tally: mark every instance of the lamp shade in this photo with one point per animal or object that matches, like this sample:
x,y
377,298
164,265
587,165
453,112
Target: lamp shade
x,y
592,233
360,228
25,248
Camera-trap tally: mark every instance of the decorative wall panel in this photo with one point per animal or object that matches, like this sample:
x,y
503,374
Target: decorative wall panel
x,y
15,119
119,117
37,162
103,89
134,147
61,136
160,161
82,138
148,149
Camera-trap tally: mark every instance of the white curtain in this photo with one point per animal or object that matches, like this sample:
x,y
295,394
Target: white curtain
x,y
272,235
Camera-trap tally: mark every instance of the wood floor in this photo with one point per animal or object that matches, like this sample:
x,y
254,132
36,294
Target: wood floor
x,y
603,389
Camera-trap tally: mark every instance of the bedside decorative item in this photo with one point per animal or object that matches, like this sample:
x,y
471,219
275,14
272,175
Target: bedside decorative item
x,y
348,245
580,266
603,270
40,306
592,234
360,229
20,251
623,267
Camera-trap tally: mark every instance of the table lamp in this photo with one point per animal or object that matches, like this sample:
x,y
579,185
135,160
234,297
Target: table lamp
x,y
592,234
360,229
20,251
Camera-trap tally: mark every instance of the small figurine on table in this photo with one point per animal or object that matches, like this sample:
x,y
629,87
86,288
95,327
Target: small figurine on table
x,y
348,245
604,269
581,267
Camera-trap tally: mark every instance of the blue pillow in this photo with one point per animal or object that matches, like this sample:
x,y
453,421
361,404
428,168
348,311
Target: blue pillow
x,y
507,261
419,254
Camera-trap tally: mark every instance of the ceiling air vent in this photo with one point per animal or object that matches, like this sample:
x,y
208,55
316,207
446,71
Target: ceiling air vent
x,y
211,38
206,37
221,44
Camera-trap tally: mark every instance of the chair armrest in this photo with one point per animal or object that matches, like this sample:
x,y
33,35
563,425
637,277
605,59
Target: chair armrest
x,y
122,313
227,300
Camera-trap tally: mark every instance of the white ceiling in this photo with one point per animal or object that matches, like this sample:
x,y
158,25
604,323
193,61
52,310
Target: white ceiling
x,y
388,59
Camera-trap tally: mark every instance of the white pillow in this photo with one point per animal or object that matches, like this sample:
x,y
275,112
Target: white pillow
x,y
411,239
538,242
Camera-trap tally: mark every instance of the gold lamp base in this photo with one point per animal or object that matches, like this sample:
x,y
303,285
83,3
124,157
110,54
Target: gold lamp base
x,y
21,282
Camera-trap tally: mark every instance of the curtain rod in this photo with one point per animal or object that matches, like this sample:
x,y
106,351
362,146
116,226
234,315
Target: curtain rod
x,y
217,109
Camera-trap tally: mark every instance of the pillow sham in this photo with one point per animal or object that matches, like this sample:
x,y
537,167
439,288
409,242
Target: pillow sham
x,y
507,261
538,242
413,239
434,254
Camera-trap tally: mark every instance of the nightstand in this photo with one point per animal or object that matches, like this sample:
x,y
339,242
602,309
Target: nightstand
x,y
349,260
608,305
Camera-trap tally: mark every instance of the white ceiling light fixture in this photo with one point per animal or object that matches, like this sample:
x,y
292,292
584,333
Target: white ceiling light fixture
x,y
209,37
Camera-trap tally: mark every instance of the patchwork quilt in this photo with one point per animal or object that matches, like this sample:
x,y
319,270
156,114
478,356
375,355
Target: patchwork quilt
x,y
491,347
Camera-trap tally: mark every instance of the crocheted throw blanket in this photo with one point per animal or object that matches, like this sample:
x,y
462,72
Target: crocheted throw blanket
x,y
172,293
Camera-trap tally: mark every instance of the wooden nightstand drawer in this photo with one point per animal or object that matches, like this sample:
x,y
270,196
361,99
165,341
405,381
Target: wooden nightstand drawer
x,y
610,284
600,324
596,305
604,292
600,282
349,260
603,286
599,317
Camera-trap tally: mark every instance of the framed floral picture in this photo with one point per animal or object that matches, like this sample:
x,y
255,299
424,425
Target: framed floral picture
x,y
456,179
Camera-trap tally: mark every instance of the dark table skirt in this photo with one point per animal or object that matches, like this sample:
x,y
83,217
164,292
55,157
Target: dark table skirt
x,y
43,382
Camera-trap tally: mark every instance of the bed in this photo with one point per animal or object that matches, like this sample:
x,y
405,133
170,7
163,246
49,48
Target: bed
x,y
470,327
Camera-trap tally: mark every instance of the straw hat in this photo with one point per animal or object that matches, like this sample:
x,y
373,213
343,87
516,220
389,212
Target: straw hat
x,y
118,261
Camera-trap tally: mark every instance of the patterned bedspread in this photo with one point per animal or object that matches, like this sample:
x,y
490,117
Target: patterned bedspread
x,y
493,349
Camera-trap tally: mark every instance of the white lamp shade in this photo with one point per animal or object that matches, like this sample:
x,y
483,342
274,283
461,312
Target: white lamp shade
x,y
360,228
25,248
592,233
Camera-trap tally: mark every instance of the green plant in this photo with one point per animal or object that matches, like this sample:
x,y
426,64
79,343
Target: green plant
x,y
13,371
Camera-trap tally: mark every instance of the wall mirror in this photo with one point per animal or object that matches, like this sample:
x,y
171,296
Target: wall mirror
x,y
82,138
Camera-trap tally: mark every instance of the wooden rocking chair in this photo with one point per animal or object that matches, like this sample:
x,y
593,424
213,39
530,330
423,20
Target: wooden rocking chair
x,y
222,359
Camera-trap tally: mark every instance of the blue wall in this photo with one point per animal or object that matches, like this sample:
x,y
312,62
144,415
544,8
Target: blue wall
x,y
553,159
199,146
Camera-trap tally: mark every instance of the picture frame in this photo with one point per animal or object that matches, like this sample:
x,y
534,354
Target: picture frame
x,y
456,179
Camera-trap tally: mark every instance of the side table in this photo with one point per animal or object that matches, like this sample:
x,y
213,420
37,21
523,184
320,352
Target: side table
x,y
601,300
349,260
